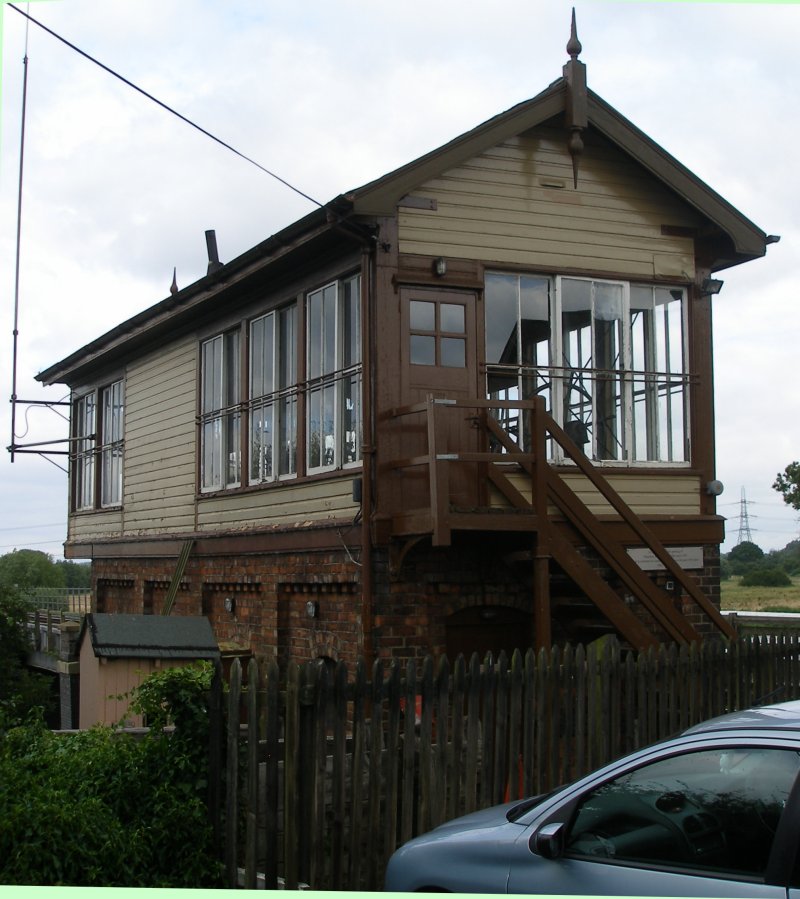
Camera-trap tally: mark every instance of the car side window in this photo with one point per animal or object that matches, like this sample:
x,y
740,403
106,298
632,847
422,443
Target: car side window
x,y
714,810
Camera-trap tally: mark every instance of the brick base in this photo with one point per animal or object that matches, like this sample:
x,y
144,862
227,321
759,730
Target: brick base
x,y
306,605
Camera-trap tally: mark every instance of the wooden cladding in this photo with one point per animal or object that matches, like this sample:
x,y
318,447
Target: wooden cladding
x,y
497,208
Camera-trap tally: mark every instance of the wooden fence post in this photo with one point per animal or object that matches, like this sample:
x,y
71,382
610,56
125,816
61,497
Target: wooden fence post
x,y
232,778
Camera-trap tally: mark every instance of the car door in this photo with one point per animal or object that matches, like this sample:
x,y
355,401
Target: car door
x,y
709,822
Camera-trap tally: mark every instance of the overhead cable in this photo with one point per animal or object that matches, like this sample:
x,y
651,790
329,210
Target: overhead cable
x,y
163,105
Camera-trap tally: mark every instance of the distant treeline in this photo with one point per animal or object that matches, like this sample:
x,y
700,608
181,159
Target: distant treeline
x,y
32,568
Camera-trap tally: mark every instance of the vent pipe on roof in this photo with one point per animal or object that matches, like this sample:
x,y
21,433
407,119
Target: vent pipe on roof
x,y
213,255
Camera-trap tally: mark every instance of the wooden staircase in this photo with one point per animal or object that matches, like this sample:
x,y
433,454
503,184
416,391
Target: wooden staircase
x,y
559,522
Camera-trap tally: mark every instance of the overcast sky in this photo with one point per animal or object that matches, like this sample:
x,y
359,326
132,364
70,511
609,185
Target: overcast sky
x,y
331,94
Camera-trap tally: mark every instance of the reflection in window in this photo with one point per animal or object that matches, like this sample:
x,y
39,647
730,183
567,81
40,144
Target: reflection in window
x,y
606,356
591,336
83,460
659,390
273,396
220,443
112,434
437,333
714,810
517,344
333,402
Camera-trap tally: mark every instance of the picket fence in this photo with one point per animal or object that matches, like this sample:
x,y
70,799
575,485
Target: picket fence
x,y
317,775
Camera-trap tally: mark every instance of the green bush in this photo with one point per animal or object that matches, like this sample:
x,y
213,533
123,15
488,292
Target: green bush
x,y
22,692
766,577
100,808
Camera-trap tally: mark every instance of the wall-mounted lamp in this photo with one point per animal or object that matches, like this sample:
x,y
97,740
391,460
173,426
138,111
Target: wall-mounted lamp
x,y
229,604
440,267
711,287
312,609
714,488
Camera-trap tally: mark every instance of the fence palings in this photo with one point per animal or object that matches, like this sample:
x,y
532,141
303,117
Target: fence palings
x,y
329,774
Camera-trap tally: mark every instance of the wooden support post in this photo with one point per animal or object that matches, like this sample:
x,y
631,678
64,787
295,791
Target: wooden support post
x,y
541,554
541,599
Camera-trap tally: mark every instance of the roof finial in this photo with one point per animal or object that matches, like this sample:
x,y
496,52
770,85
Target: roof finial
x,y
174,286
576,116
574,45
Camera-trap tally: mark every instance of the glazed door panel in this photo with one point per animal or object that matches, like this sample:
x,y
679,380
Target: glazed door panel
x,y
439,358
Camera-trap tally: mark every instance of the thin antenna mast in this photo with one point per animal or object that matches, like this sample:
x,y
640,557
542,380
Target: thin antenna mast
x,y
17,254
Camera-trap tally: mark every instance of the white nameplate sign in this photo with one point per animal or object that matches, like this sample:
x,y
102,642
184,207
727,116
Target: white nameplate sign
x,y
686,556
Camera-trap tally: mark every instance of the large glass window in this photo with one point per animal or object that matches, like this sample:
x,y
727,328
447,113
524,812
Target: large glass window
x,y
112,400
98,447
273,396
659,390
517,344
333,401
607,356
260,416
83,458
220,420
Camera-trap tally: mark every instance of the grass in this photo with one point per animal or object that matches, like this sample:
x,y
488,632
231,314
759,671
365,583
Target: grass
x,y
760,599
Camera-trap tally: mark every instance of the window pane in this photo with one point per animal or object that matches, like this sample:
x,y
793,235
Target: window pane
x,y
352,322
288,436
211,364
535,321
314,325
502,308
329,330
422,316
454,353
609,427
423,350
261,437
287,346
452,317
713,810
576,349
111,436
220,434
262,339
351,420
314,435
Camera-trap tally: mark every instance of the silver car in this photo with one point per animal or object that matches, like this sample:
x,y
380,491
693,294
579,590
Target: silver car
x,y
713,812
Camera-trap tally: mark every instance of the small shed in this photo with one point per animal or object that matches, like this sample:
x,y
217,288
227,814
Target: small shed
x,y
118,651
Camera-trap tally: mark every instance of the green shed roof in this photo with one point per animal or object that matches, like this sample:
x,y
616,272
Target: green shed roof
x,y
150,636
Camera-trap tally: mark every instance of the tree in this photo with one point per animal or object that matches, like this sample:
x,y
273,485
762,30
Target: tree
x,y
21,690
30,568
76,574
744,556
787,483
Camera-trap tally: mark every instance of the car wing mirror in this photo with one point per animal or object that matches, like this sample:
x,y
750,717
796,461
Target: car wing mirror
x,y
548,841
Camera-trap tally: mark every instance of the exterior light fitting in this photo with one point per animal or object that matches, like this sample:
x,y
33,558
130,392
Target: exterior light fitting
x,y
312,609
714,488
230,604
711,287
440,267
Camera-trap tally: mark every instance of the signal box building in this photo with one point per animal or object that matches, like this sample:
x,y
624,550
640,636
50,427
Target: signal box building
x,y
466,406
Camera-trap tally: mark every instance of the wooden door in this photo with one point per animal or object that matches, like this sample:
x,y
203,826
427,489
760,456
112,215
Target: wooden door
x,y
439,358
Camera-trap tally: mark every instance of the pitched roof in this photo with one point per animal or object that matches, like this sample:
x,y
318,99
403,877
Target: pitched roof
x,y
379,197
149,636
739,239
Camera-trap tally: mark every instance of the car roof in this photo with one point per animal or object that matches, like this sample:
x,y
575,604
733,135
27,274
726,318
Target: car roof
x,y
782,716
